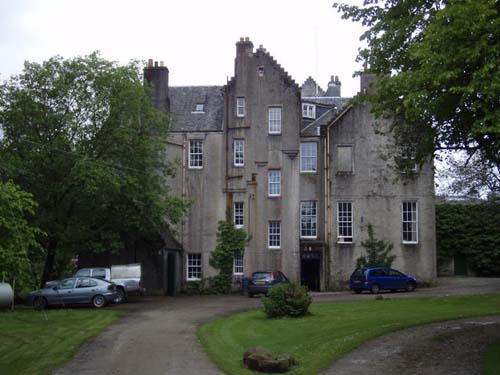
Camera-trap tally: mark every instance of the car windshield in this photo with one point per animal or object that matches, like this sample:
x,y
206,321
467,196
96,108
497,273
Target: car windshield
x,y
262,275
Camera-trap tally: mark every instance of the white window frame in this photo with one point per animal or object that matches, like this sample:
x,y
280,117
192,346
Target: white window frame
x,y
239,152
240,107
409,222
274,234
309,219
238,214
195,156
274,117
199,108
308,158
308,110
238,265
345,222
193,266
274,183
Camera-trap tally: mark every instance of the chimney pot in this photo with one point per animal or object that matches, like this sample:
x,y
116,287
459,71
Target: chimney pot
x,y
247,39
162,63
156,64
242,39
150,63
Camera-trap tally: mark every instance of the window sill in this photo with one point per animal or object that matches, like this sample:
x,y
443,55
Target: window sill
x,y
274,133
238,165
274,248
274,196
239,226
238,274
308,237
409,243
188,280
195,168
308,172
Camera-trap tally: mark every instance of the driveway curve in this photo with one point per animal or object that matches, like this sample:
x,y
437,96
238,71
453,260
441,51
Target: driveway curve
x,y
157,335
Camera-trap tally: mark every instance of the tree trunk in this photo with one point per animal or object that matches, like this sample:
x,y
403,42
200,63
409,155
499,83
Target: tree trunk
x,y
48,270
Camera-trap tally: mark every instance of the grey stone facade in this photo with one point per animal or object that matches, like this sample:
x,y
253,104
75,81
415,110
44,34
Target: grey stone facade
x,y
296,160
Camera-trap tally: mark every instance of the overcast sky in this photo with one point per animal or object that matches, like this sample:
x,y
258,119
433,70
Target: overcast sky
x,y
195,38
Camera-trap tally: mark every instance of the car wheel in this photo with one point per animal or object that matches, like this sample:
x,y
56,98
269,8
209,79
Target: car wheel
x,y
122,296
98,301
410,287
375,289
357,291
250,295
40,303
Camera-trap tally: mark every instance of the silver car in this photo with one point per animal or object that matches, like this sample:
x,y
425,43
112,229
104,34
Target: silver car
x,y
74,291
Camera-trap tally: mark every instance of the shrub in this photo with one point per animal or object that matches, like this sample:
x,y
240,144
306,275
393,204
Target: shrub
x,y
288,299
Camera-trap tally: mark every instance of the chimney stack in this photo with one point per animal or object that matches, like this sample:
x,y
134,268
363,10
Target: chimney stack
x,y
157,76
244,46
334,87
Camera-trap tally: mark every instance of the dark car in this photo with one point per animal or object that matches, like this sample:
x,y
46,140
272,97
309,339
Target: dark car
x,y
261,281
380,278
74,291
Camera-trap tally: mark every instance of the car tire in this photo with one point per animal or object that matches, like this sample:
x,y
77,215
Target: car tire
x,y
357,291
375,289
250,295
410,287
99,301
122,296
40,303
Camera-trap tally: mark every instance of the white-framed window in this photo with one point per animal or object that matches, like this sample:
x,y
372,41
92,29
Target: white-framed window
x,y
274,234
308,156
409,220
308,110
274,182
344,159
199,108
238,215
238,265
193,267
239,152
274,120
196,154
308,219
240,107
344,222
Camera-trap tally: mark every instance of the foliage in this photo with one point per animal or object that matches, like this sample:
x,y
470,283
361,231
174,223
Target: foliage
x,y
17,237
231,242
489,359
377,252
437,63
473,177
286,299
332,330
472,230
37,343
82,136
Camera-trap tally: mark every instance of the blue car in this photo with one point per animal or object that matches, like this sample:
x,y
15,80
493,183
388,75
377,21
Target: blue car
x,y
376,279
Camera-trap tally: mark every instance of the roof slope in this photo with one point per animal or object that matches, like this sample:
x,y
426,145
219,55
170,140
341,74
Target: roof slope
x,y
183,101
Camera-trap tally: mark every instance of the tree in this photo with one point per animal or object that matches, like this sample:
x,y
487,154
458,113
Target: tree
x,y
231,242
82,136
473,177
437,63
17,236
377,252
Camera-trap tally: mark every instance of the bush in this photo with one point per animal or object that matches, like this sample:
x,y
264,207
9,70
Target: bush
x,y
287,299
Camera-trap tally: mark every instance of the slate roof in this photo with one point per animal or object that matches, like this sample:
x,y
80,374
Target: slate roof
x,y
183,101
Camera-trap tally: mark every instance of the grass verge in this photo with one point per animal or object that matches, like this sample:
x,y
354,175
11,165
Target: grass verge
x,y
489,359
33,342
331,331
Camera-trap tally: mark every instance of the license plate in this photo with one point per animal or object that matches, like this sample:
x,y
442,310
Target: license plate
x,y
356,281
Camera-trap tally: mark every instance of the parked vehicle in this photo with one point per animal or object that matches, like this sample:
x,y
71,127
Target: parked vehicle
x,y
376,279
73,291
127,277
261,281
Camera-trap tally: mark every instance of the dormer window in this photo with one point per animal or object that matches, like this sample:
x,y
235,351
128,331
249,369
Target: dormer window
x,y
199,108
308,110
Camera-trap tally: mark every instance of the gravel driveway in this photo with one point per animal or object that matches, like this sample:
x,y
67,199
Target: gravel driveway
x,y
158,335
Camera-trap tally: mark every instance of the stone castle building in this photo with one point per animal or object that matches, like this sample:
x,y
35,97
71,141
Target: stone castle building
x,y
303,171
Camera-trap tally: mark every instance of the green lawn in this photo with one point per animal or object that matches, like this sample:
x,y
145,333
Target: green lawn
x,y
331,331
489,360
33,342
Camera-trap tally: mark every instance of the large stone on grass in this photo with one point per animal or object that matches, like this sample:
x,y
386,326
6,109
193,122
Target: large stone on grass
x,y
262,360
